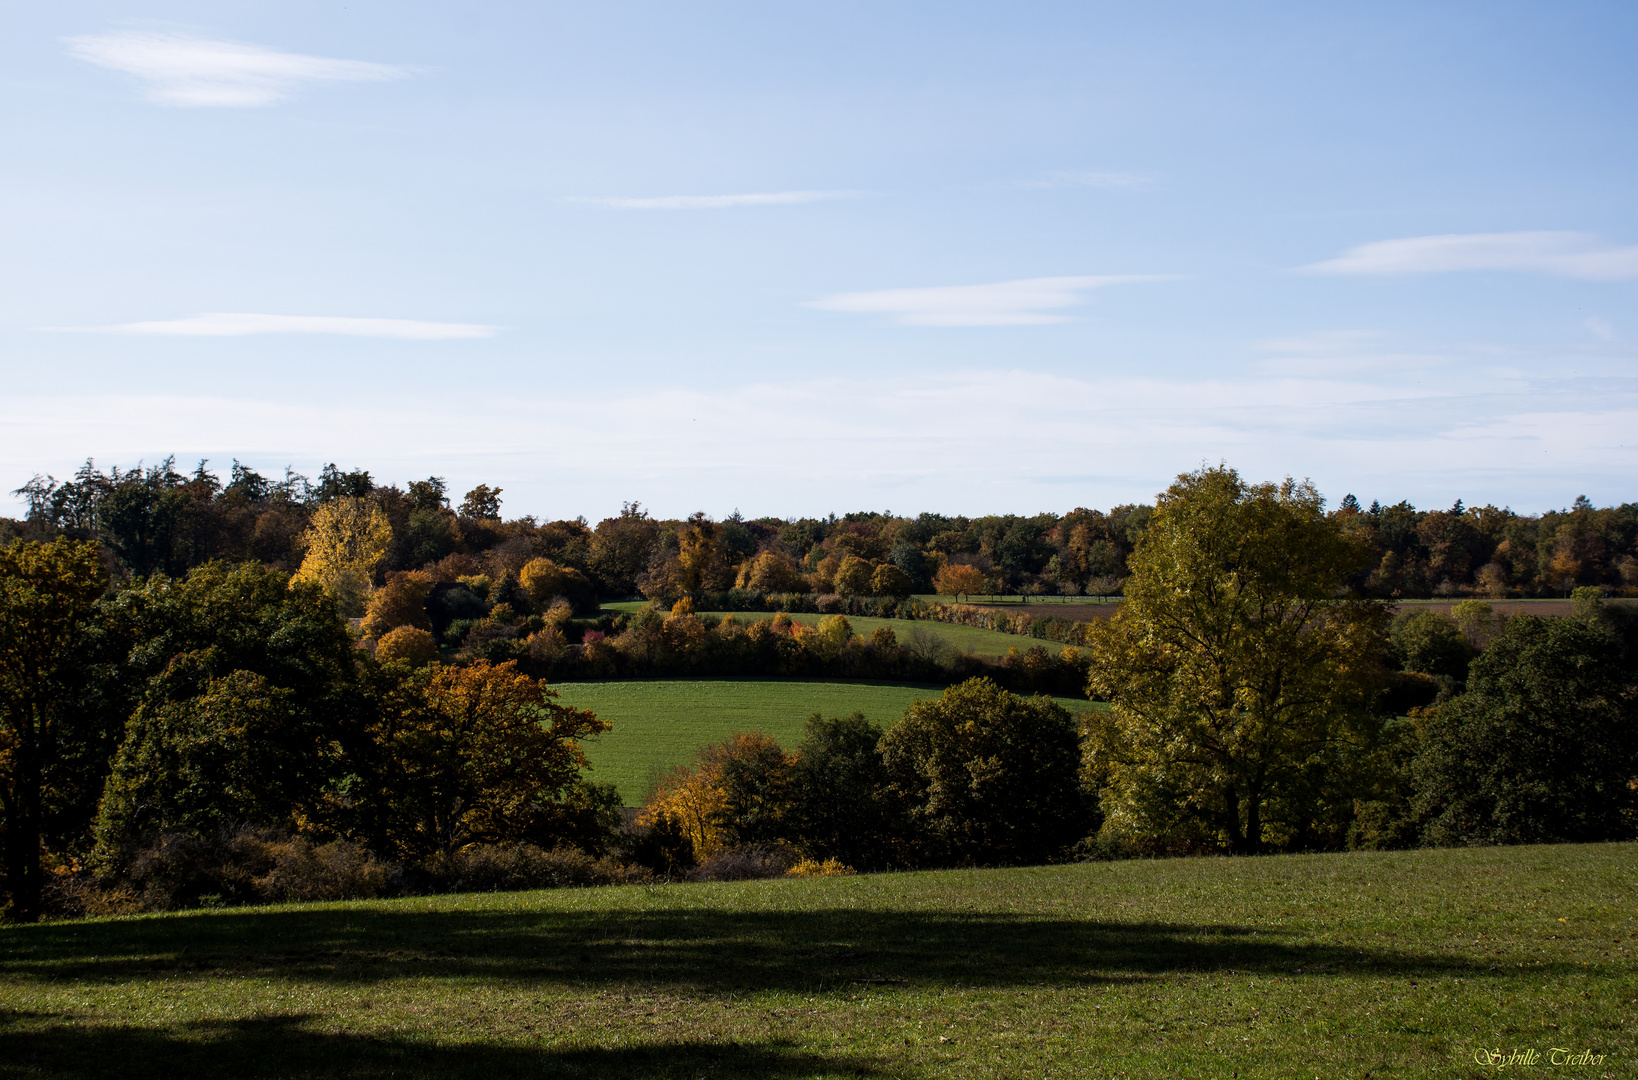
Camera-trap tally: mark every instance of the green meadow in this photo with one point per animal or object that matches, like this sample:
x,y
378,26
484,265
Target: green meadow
x,y
965,639
1409,964
662,722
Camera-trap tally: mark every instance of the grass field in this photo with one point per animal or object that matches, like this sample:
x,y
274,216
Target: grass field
x,y
964,638
967,639
1416,964
661,723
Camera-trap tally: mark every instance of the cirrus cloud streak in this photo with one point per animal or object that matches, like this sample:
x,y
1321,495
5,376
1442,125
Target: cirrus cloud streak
x,y
714,202
179,69
1581,255
1023,302
244,324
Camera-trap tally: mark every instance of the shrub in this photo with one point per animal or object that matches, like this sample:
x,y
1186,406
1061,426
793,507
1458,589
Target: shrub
x,y
747,863
828,868
514,867
242,866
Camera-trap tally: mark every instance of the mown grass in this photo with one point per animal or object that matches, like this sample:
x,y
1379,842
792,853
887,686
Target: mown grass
x,y
660,723
1361,965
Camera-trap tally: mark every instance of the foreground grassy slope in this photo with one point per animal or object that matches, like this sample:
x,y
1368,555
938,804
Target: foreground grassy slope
x,y
1405,964
661,723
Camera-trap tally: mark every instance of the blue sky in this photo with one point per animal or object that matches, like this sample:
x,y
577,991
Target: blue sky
x,y
796,259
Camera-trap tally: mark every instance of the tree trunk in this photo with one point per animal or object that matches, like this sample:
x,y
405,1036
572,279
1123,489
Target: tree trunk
x,y
1253,839
22,853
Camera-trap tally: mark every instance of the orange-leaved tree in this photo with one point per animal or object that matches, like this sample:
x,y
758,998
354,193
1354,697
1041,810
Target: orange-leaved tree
x,y
402,601
954,579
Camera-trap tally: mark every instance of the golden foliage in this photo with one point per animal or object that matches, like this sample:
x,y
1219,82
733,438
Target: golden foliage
x,y
853,576
402,601
407,643
771,572
544,579
345,541
815,868
732,785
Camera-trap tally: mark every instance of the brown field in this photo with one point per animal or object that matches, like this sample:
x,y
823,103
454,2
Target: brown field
x,y
1089,612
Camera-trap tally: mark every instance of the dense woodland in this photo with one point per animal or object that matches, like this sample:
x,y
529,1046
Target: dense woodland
x,y
267,690
158,519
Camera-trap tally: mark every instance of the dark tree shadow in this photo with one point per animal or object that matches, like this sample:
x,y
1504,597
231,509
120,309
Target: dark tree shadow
x,y
707,950
263,1048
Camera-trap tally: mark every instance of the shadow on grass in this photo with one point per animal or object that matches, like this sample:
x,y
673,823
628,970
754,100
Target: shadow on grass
x,y
707,950
286,1046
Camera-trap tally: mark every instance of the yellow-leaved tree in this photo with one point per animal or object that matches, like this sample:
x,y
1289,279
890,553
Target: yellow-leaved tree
x,y
345,541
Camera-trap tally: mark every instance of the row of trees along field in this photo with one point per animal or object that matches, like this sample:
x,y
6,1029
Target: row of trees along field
x,y
157,519
219,735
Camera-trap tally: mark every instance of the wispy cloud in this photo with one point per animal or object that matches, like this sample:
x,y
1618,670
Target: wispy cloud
x,y
178,69
1026,302
1337,353
1600,328
1119,181
244,324
1531,440
1561,254
714,202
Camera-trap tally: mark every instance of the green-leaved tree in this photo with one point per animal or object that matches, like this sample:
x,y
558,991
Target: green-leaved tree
x,y
1239,684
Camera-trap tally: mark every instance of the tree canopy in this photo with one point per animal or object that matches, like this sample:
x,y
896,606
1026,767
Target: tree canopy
x,y
1237,681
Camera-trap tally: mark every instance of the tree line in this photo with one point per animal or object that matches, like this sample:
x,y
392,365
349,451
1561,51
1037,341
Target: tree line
x,y
157,730
158,519
1252,707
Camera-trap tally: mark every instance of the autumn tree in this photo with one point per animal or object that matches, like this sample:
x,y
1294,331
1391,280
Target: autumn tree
x,y
345,542
853,576
956,579
771,572
1239,683
737,792
482,503
402,601
889,580
46,594
479,753
408,643
544,580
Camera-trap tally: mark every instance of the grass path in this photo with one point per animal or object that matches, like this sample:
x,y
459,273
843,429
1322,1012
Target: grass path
x,y
1415,964
660,723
